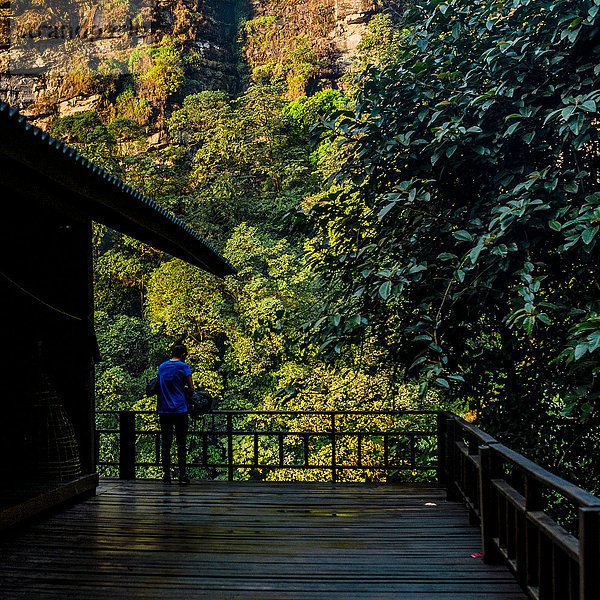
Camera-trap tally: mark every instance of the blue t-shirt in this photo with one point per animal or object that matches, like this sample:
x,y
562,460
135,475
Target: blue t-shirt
x,y
172,377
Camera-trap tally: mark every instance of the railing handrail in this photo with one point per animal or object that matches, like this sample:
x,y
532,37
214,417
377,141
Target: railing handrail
x,y
398,449
290,412
482,436
515,526
569,490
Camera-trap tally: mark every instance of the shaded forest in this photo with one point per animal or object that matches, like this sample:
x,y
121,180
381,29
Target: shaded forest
x,y
421,236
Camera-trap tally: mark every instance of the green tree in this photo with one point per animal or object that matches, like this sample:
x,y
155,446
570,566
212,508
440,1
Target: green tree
x,y
240,331
463,238
86,132
158,71
380,45
250,162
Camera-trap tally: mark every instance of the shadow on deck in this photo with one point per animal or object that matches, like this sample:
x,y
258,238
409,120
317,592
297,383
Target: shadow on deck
x,y
222,540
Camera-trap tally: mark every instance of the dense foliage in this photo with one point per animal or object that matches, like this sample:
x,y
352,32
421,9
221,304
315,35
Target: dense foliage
x,y
461,232
450,213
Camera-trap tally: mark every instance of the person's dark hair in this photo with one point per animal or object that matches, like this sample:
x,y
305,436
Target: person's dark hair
x,y
178,349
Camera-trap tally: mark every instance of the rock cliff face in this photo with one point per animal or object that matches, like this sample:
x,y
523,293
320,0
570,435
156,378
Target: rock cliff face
x,y
312,39
138,58
352,18
73,56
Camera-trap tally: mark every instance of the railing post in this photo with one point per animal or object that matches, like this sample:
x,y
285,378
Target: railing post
x,y
451,459
589,553
386,454
333,453
531,557
97,447
255,462
281,452
442,475
126,444
157,456
204,449
470,478
306,449
488,470
229,446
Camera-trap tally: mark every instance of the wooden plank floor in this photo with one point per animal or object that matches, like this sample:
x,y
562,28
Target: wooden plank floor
x,y
251,541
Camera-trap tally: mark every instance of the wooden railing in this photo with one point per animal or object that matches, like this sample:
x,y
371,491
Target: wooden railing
x,y
249,444
511,498
508,496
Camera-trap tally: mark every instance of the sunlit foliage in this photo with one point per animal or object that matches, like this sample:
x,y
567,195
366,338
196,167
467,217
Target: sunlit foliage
x,y
462,235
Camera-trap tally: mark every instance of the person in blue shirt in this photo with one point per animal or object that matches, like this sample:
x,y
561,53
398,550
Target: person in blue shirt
x,y
175,384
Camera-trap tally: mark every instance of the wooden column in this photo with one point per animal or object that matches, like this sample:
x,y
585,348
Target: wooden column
x,y
488,469
87,421
127,445
451,493
589,553
441,448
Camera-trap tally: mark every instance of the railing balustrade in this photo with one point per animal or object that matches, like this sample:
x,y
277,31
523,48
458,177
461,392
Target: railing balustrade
x,y
249,444
507,495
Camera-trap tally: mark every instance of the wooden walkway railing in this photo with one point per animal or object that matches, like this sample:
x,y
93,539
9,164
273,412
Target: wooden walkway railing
x,y
388,442
508,496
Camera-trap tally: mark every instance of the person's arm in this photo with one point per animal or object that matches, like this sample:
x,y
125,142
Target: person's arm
x,y
190,384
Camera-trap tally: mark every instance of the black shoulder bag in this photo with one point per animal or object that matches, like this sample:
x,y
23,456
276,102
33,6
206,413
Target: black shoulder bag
x,y
199,403
152,387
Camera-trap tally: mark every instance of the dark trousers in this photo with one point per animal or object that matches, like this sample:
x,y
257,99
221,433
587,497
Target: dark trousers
x,y
168,422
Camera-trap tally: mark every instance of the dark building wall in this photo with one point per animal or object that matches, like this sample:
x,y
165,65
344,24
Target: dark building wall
x,y
47,369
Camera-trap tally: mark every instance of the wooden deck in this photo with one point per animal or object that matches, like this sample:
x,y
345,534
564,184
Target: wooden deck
x,y
229,541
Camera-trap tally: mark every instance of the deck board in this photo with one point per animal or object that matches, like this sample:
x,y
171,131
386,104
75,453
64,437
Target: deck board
x,y
254,541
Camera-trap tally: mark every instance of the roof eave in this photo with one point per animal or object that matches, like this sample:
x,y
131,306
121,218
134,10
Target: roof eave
x,y
104,197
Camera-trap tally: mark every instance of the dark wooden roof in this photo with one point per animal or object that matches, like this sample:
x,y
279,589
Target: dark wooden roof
x,y
41,166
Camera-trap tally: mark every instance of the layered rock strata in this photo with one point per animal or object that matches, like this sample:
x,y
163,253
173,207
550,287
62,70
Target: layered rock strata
x,y
63,57
278,30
